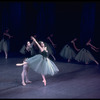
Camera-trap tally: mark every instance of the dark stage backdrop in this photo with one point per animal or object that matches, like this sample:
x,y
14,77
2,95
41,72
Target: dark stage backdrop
x,y
65,19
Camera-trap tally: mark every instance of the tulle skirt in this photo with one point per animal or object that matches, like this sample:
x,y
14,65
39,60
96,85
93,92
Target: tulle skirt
x,y
67,52
42,65
1,45
4,45
84,56
22,50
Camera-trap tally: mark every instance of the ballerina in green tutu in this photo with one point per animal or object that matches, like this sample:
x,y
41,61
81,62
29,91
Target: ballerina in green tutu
x,y
5,42
85,56
40,63
28,50
69,50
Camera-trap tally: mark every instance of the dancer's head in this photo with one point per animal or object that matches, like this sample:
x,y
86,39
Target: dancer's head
x,y
7,30
51,35
42,43
28,43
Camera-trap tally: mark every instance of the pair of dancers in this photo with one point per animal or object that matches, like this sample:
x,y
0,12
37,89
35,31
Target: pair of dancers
x,y
39,63
83,55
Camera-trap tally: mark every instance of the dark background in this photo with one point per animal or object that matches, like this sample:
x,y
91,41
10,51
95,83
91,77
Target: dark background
x,y
65,19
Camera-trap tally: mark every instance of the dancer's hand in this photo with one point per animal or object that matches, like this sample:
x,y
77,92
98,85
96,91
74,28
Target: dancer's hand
x,y
78,49
10,36
54,45
72,41
17,64
87,43
33,38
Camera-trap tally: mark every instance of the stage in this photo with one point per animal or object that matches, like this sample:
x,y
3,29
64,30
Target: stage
x,y
73,81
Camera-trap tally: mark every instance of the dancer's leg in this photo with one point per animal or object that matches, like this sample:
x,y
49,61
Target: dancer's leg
x,y
44,80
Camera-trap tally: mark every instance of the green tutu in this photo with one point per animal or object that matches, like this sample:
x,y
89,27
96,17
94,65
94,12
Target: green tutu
x,y
1,45
22,50
84,56
42,65
67,52
4,45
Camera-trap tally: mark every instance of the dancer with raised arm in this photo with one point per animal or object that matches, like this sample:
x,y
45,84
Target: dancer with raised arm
x,y
40,63
85,55
69,51
5,42
27,50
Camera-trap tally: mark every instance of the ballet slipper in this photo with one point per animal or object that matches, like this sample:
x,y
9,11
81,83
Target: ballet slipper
x,y
86,63
23,83
68,60
44,81
97,63
28,81
6,57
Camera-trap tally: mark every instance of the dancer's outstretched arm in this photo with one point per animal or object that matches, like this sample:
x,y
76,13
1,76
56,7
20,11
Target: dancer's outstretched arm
x,y
37,43
54,45
7,35
94,49
93,46
75,46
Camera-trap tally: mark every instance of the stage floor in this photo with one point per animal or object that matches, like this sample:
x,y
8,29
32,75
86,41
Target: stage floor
x,y
73,81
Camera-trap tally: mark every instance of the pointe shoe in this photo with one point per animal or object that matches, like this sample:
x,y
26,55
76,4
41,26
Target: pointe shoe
x,y
23,83
86,63
28,81
44,81
68,60
97,63
6,57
